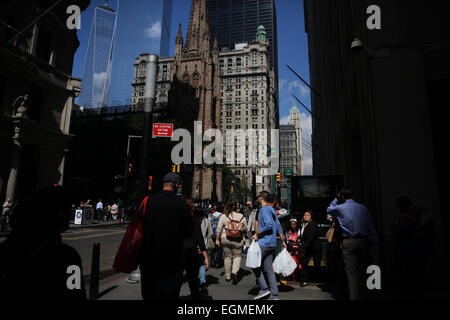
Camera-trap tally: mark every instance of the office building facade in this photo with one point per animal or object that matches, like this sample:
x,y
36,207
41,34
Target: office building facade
x,y
246,93
379,116
162,84
142,27
98,59
235,21
295,120
288,157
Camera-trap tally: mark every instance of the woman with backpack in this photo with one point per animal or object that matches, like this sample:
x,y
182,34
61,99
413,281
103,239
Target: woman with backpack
x,y
229,235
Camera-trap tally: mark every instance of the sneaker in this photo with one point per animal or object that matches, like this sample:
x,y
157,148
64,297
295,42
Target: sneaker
x,y
203,287
273,298
262,294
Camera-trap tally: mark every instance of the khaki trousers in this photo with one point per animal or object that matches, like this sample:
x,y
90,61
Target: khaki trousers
x,y
233,255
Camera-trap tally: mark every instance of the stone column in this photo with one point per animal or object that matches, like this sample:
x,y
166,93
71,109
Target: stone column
x,y
15,163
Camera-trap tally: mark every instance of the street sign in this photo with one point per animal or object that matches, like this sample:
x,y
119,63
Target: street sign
x,y
259,179
78,216
162,130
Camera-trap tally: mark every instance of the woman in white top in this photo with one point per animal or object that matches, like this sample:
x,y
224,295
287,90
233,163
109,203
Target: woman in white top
x,y
232,246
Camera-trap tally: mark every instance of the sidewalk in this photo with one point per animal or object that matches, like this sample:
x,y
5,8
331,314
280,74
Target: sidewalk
x,y
116,288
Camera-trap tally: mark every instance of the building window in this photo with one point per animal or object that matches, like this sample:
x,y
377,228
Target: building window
x,y
44,47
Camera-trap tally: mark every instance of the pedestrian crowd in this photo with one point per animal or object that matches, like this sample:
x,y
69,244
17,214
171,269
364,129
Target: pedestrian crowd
x,y
105,212
217,235
181,236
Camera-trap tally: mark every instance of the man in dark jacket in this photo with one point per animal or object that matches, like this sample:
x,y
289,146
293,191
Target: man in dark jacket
x,y
167,222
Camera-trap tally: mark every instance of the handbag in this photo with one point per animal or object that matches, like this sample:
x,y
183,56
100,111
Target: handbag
x,y
126,259
330,233
210,243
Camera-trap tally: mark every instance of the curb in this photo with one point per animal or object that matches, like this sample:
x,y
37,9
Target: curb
x,y
97,225
85,226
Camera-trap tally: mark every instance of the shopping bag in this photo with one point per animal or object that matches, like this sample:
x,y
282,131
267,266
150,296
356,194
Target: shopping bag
x,y
253,256
284,264
330,234
127,256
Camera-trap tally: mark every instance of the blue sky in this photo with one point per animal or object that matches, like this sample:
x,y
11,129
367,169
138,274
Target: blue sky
x,y
292,50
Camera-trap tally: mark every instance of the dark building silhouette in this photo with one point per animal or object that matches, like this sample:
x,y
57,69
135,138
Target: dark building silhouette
x,y
379,107
36,94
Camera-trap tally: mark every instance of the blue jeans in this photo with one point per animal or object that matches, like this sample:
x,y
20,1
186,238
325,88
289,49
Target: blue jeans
x,y
265,271
202,274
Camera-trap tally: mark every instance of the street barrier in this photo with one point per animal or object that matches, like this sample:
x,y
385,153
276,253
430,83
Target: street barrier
x,y
88,216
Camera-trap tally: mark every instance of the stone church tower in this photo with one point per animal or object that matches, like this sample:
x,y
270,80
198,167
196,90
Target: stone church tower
x,y
195,94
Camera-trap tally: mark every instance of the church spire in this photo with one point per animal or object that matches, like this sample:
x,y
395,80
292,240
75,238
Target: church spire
x,y
179,42
198,26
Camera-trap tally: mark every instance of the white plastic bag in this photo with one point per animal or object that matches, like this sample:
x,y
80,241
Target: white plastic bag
x,y
284,263
253,256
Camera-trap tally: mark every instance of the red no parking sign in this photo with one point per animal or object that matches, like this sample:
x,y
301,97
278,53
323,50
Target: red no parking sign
x,y
162,130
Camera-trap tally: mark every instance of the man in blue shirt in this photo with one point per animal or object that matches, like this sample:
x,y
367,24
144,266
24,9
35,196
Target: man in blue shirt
x,y
358,233
267,240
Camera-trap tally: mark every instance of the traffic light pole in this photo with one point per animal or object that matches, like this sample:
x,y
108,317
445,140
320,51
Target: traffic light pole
x,y
127,167
150,97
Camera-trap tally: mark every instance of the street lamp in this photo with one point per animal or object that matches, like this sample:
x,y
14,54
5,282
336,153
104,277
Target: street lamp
x,y
288,174
149,101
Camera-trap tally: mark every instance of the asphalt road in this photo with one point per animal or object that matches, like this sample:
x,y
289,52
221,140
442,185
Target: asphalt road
x,y
83,239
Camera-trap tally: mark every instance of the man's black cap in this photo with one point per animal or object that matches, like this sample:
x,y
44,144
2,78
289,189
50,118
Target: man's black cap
x,y
172,177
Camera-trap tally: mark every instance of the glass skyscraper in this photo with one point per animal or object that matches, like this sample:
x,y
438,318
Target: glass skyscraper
x,y
97,63
143,26
236,21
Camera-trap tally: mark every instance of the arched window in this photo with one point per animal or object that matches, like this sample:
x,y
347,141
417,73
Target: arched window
x,y
221,63
230,62
238,62
165,68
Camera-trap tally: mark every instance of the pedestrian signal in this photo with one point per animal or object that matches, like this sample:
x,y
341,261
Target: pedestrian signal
x,y
150,183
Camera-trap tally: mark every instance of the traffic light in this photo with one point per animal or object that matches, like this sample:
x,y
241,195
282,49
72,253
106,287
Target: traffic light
x,y
178,168
232,189
150,183
278,177
130,168
174,168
